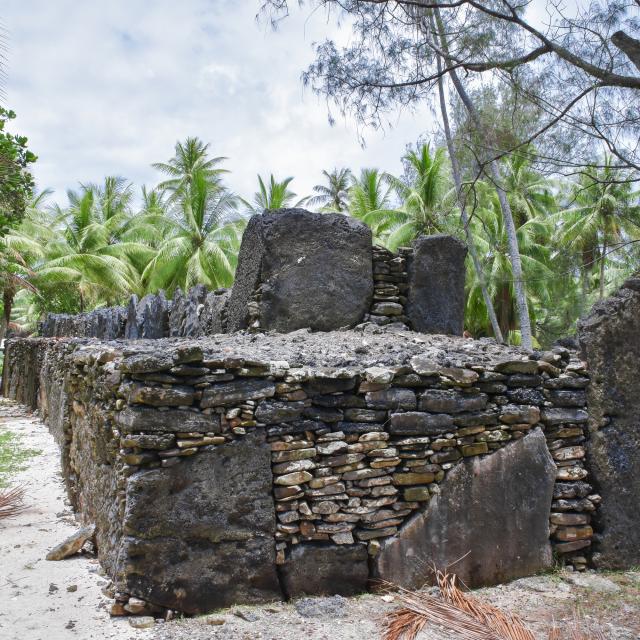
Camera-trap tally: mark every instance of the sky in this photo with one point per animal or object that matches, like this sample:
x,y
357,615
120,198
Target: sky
x,y
107,87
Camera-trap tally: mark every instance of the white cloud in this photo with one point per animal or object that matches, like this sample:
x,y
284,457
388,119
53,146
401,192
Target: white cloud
x,y
108,87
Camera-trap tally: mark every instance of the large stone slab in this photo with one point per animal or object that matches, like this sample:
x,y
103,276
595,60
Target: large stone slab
x,y
200,535
610,340
489,524
435,300
310,270
325,569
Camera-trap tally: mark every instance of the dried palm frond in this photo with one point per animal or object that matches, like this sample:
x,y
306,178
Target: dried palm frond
x,y
464,616
11,502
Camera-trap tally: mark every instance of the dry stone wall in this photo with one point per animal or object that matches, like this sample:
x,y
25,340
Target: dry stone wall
x,y
251,467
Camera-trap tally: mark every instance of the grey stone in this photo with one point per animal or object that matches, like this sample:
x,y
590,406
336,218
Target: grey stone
x,y
490,521
394,398
140,418
610,341
435,300
213,318
449,401
416,423
311,270
553,416
210,521
72,544
272,412
322,569
230,393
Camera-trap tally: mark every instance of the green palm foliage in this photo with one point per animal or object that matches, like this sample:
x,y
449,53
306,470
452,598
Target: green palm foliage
x,y
370,200
490,238
203,241
190,157
88,250
273,195
334,195
423,199
529,191
604,215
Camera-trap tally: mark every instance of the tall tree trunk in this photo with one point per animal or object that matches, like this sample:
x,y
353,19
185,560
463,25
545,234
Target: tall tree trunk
x,y
603,259
457,179
495,175
8,294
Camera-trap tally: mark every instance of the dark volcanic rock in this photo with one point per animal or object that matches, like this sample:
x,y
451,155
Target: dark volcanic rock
x,y
490,519
435,301
199,535
322,569
311,270
610,340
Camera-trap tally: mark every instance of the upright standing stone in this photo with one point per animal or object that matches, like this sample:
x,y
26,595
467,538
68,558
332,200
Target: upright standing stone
x,y
489,524
610,340
435,300
200,535
298,269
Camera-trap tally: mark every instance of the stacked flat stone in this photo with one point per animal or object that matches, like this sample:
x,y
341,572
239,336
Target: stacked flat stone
x,y
318,459
389,287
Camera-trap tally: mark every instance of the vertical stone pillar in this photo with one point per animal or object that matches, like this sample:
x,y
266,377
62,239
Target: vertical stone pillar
x,y
435,299
610,341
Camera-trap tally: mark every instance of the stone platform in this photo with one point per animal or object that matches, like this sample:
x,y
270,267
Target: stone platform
x,y
249,467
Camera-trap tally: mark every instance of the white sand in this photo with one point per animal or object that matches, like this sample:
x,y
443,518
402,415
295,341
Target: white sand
x,y
35,603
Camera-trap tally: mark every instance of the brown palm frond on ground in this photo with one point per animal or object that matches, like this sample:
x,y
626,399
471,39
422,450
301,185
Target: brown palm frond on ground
x,y
505,625
462,615
419,609
11,502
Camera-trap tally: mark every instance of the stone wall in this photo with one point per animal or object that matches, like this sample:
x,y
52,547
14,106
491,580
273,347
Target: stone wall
x,y
610,339
245,468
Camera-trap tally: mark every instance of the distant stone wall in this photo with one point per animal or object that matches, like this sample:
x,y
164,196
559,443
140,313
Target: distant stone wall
x,y
230,470
296,270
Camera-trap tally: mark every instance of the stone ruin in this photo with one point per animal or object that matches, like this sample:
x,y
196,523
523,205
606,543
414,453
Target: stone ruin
x,y
300,270
227,453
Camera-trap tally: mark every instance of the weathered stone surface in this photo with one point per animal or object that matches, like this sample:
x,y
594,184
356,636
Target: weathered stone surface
x,y
610,340
230,393
321,569
199,536
435,300
490,518
141,418
449,401
417,423
312,270
72,544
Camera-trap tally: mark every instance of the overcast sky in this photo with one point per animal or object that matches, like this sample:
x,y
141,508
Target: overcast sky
x,y
107,87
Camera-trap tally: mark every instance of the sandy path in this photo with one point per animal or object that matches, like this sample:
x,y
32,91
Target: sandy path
x,y
42,600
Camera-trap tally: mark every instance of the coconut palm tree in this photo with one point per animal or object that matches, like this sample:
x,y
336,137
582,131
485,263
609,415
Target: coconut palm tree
x,y
333,196
423,208
203,242
190,156
605,213
370,200
491,241
529,192
88,250
273,195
